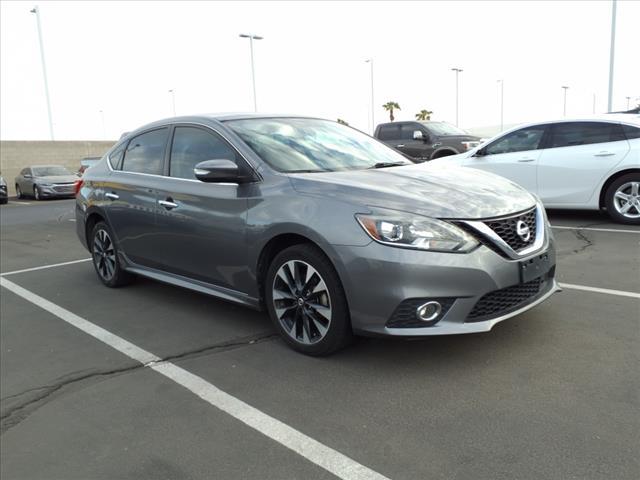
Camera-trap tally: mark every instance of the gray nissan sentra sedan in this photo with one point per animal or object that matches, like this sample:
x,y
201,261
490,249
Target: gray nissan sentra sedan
x,y
329,230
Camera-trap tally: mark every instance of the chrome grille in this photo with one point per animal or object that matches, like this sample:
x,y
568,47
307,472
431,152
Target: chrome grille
x,y
505,228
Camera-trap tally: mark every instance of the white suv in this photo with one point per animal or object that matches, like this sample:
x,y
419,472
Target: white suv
x,y
586,164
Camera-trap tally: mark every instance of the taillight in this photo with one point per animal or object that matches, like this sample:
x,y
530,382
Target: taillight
x,y
78,186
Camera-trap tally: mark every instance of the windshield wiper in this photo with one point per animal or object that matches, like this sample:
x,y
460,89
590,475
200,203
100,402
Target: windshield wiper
x,y
388,164
308,171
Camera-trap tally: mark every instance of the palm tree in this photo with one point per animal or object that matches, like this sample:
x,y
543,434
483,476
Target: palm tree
x,y
342,122
424,115
390,107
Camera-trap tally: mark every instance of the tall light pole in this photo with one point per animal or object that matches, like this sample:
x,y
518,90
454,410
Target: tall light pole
x,y
373,122
612,54
173,100
457,70
253,71
36,10
565,88
501,82
628,98
594,103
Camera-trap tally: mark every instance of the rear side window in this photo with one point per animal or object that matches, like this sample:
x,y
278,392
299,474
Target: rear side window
x,y
389,132
145,153
115,158
584,133
631,132
192,145
528,138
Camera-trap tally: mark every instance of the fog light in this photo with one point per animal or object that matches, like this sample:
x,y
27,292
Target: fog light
x,y
427,312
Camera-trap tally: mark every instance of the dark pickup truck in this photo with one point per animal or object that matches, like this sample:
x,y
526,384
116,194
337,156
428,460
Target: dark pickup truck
x,y
425,140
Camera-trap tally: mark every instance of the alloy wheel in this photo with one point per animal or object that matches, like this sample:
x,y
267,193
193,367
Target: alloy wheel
x,y
302,302
626,200
104,255
36,193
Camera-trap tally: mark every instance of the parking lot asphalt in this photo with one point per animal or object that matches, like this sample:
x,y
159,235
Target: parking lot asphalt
x,y
553,393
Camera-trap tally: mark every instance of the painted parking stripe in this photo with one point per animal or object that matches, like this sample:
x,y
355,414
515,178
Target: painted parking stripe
x,y
617,230
44,267
331,460
11,202
620,293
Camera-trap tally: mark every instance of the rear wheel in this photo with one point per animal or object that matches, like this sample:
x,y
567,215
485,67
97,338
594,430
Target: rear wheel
x,y
105,257
622,199
306,301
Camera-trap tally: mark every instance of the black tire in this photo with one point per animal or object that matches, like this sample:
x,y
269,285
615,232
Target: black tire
x,y
36,193
106,260
19,192
4,201
610,201
338,333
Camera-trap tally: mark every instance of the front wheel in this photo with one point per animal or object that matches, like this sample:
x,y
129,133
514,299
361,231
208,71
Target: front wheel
x,y
36,193
105,257
622,199
18,191
306,301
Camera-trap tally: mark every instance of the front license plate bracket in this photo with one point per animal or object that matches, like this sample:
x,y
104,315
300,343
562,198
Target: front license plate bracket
x,y
534,267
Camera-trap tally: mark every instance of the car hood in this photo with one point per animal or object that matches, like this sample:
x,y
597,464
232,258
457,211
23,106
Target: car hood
x,y
424,189
57,179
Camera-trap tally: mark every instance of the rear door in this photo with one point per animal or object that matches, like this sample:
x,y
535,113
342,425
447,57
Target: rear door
x,y
514,156
202,226
389,133
577,157
130,196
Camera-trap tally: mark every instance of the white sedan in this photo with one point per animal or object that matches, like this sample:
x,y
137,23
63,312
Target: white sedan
x,y
585,164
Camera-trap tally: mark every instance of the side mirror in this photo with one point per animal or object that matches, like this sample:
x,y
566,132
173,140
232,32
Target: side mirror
x,y
417,135
218,171
27,175
480,153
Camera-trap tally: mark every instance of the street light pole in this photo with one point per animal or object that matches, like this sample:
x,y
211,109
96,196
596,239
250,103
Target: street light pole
x,y
501,82
173,100
565,88
253,71
457,70
373,122
628,98
104,132
594,103
612,54
36,10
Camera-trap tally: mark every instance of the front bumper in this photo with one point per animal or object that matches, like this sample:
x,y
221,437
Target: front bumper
x,y
378,278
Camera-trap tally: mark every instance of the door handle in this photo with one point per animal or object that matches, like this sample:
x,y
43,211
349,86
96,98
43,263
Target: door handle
x,y
524,160
604,153
400,146
168,203
112,196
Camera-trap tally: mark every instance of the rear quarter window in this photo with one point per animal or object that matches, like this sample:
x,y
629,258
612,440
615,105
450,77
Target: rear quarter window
x,y
631,132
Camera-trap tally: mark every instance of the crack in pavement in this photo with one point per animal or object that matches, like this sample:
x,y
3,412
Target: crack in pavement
x,y
582,237
16,414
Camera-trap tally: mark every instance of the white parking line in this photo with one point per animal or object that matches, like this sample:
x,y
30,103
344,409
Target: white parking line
x,y
617,230
19,203
43,267
620,293
331,460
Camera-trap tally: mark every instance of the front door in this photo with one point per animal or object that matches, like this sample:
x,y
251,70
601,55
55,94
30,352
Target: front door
x,y
514,156
202,226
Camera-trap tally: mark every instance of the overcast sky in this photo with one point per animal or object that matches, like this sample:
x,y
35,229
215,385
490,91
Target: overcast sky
x,y
122,58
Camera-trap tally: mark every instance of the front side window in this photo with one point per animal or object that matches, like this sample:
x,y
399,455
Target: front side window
x,y
519,141
309,145
145,153
192,145
406,131
572,134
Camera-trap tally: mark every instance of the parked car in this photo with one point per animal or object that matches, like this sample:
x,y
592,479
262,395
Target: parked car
x,y
585,164
87,162
45,181
425,140
4,194
330,230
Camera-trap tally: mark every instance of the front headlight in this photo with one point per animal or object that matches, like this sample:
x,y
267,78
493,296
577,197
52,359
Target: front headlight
x,y
45,185
401,229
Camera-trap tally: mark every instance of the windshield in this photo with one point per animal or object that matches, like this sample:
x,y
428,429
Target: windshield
x,y
309,145
52,171
442,128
